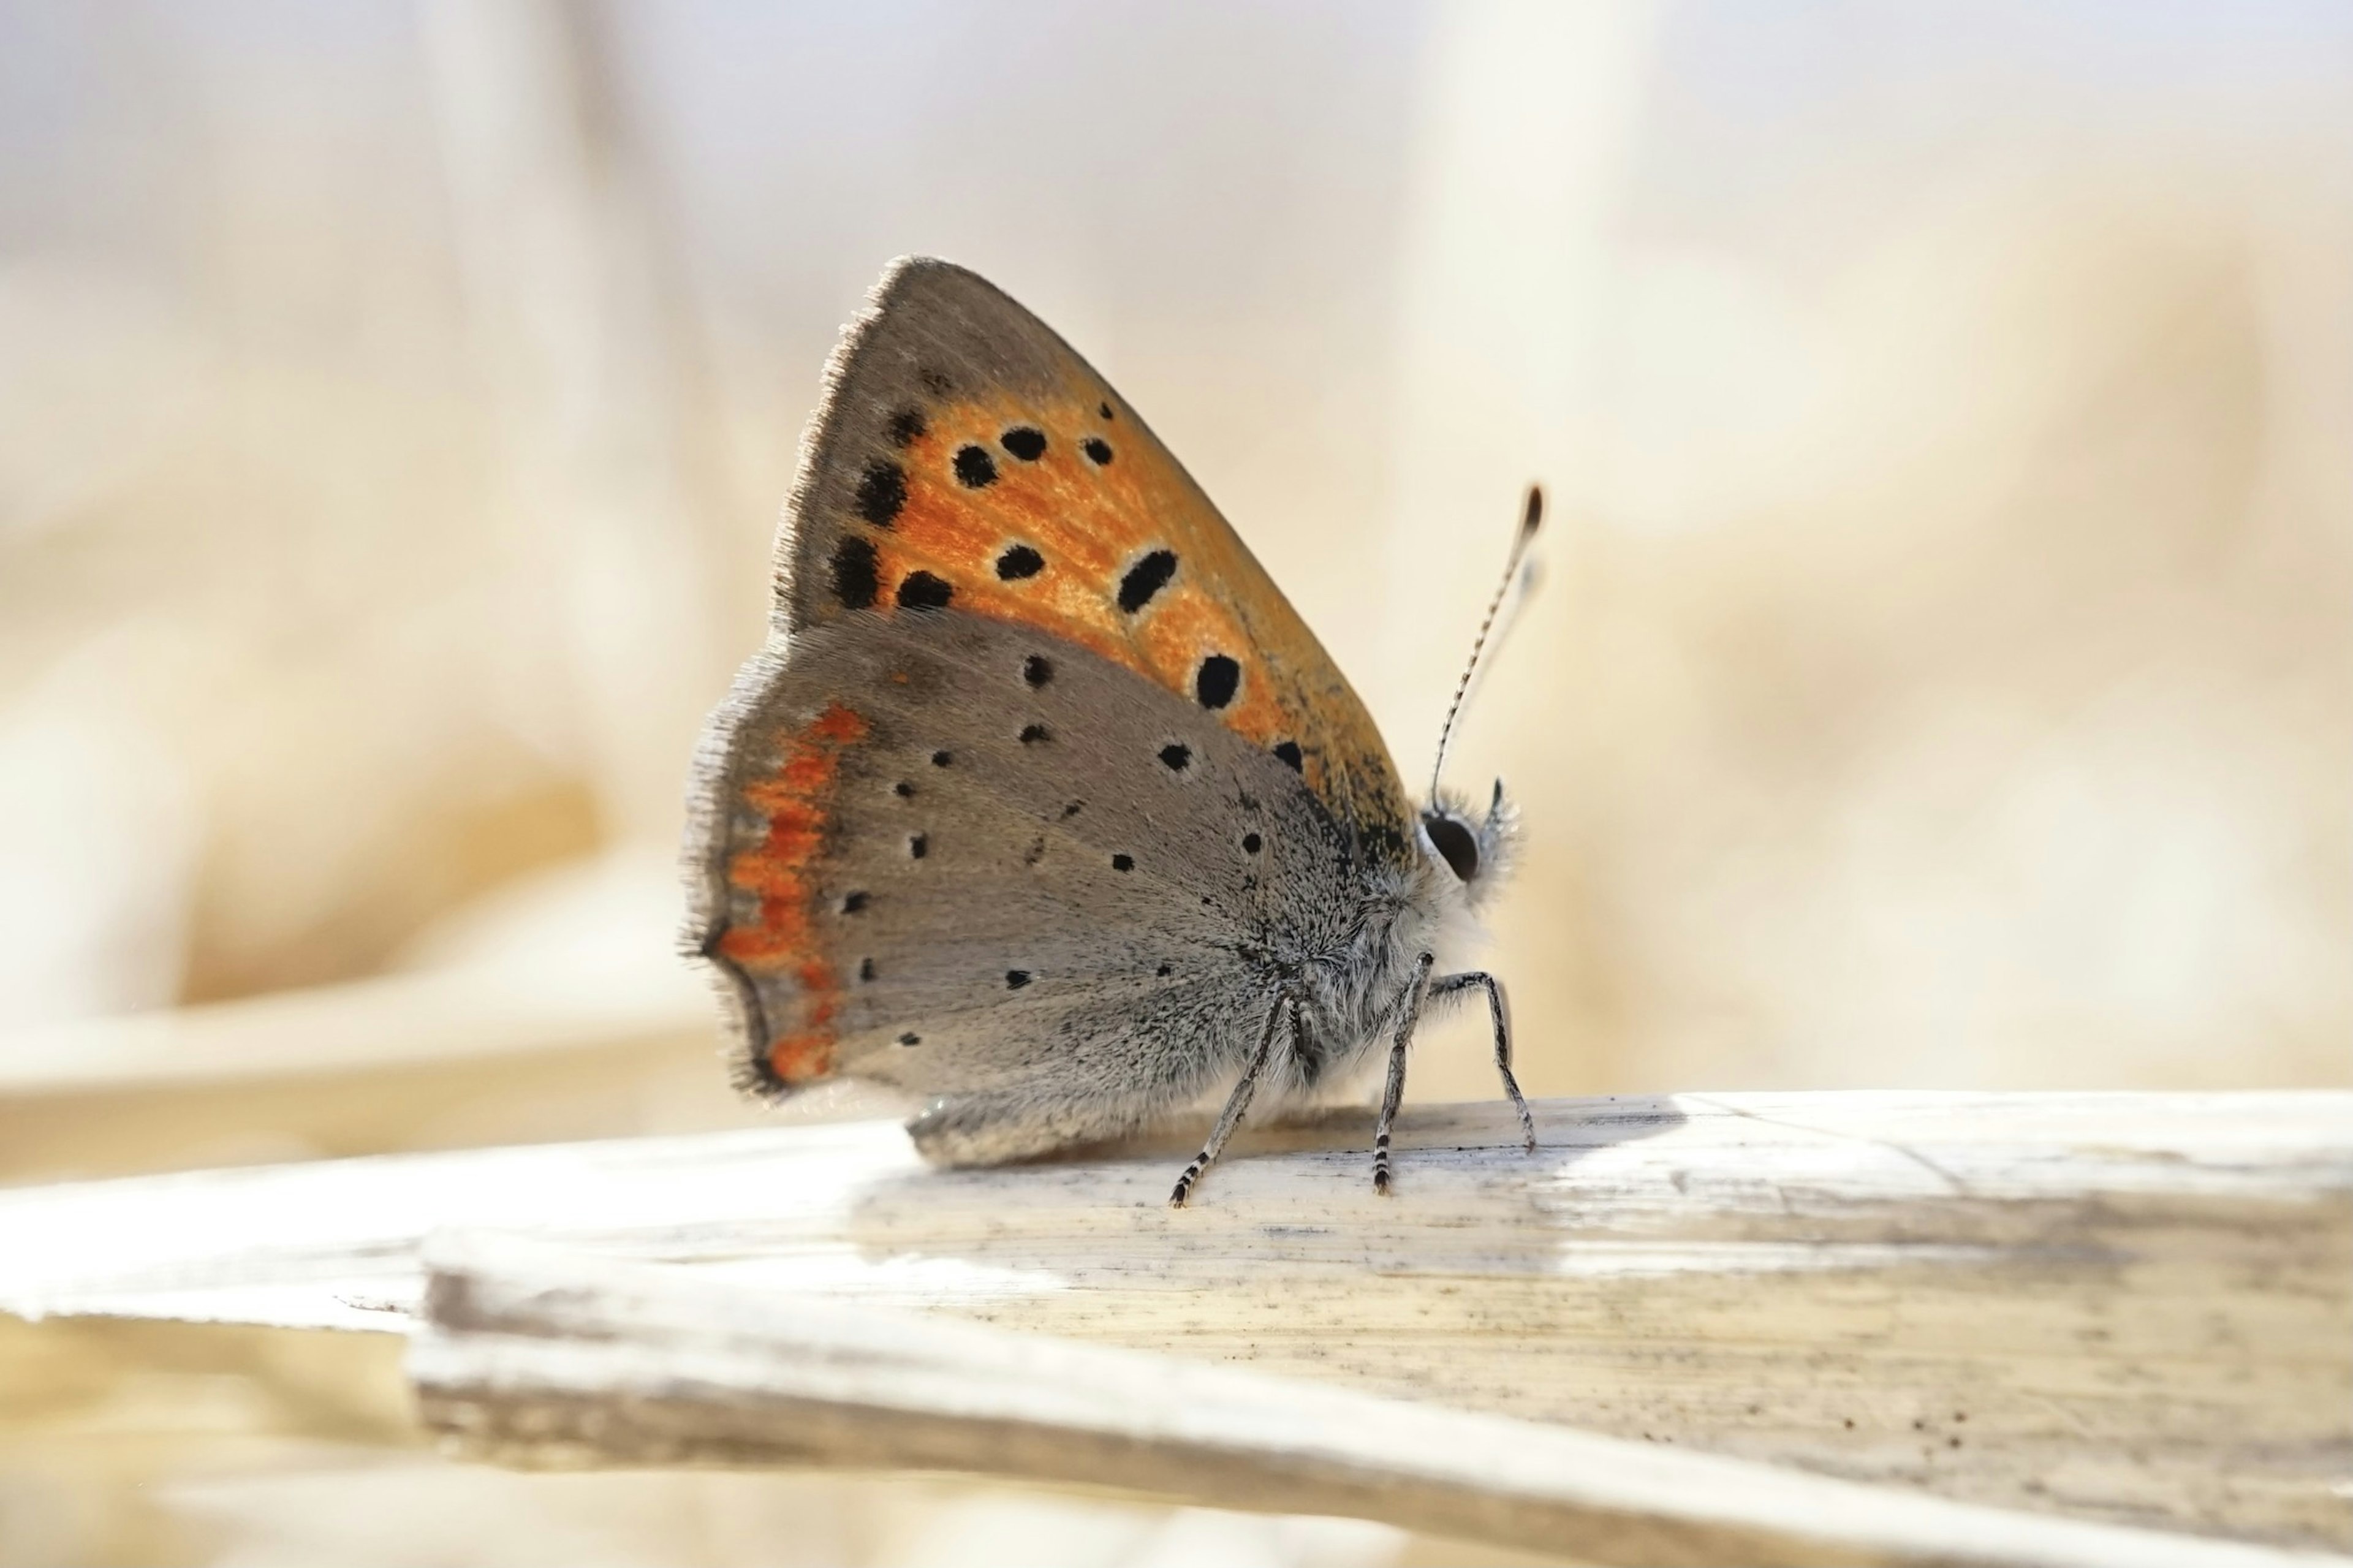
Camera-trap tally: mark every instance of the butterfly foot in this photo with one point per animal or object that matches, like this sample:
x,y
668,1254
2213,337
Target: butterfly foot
x,y
1519,1101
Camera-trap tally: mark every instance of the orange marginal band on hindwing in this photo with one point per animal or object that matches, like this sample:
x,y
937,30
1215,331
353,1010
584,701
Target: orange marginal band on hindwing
x,y
778,870
966,456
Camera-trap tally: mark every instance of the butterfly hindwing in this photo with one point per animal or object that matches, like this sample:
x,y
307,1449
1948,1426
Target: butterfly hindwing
x,y
970,857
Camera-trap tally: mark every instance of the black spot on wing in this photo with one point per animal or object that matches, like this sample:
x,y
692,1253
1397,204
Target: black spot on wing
x,y
1015,979
906,426
1122,862
921,591
1215,683
1097,450
1024,442
855,577
975,469
1033,733
852,903
918,846
1019,561
1036,669
1289,751
1145,578
1177,756
1104,409
881,492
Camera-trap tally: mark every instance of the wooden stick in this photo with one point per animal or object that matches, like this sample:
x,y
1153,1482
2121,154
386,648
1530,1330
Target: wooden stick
x,y
2135,1309
539,1356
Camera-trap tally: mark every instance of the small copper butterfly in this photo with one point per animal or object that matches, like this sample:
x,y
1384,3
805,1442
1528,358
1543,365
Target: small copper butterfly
x,y
1041,801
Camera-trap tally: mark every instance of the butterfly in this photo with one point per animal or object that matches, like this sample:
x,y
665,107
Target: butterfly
x,y
1041,801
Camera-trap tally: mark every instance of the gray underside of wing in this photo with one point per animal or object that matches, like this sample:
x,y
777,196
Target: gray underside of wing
x,y
1053,874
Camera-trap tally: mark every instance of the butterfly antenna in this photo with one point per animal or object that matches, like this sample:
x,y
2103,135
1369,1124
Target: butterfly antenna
x,y
1528,522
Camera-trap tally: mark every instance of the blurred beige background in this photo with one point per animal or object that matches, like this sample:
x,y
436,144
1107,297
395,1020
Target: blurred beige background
x,y
1941,676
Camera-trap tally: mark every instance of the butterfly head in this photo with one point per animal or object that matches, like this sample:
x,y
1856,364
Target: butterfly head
x,y
1474,853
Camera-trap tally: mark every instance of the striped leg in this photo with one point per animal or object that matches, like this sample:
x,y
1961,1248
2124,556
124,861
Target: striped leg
x,y
1500,1012
1409,1013
1236,1103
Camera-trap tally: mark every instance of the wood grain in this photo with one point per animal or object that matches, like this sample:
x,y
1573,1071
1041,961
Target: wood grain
x,y
2135,1309
542,1356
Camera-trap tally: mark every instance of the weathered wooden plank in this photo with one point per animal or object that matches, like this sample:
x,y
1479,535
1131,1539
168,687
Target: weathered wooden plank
x,y
2132,1308
541,1356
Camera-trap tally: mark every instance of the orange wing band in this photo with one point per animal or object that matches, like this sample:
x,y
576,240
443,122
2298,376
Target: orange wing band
x,y
797,801
1084,522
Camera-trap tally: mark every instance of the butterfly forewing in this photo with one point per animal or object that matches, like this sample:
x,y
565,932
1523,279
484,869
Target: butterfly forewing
x,y
966,456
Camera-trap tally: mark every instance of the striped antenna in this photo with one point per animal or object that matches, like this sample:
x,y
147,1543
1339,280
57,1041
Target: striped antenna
x,y
1528,522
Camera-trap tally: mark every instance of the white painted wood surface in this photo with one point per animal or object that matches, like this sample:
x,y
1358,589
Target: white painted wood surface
x,y
2132,1309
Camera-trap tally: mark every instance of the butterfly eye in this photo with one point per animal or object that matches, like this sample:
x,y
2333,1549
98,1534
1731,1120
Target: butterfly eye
x,y
1454,842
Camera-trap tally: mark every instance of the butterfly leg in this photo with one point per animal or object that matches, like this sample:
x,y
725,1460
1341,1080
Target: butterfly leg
x,y
1500,1012
1393,1094
1236,1103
